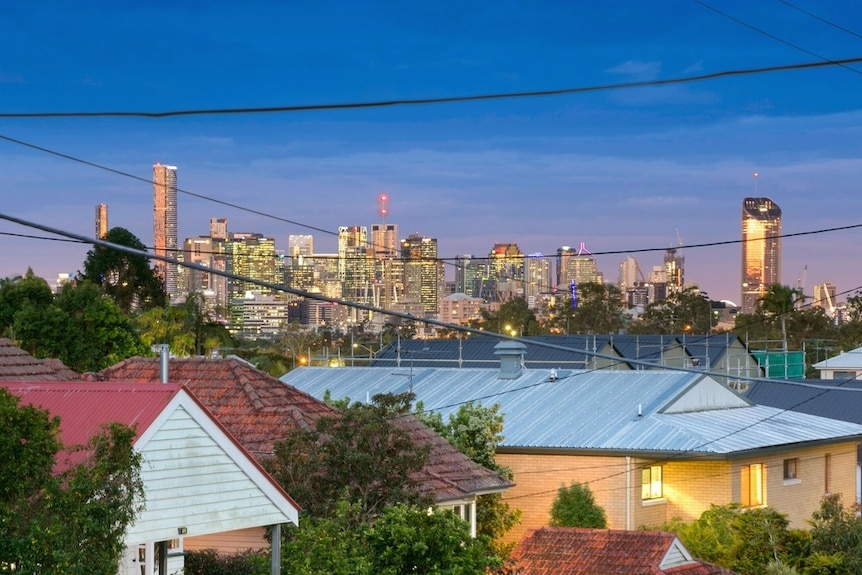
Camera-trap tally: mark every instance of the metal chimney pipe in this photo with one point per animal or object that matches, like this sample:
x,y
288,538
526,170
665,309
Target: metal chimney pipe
x,y
164,355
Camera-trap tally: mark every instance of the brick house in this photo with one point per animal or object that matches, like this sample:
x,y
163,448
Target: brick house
x,y
651,444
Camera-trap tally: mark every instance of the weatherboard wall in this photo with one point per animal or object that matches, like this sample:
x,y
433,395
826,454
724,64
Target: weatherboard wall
x,y
197,483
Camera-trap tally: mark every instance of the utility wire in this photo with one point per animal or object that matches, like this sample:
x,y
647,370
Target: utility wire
x,y
825,62
821,19
841,63
366,307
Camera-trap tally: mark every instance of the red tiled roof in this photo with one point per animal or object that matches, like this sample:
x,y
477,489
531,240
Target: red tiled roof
x,y
258,409
18,365
575,551
83,408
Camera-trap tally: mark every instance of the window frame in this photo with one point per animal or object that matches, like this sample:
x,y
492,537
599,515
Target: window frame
x,y
652,476
752,492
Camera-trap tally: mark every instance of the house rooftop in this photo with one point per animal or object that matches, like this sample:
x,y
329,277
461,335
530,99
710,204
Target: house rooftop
x,y
576,551
649,413
18,365
258,410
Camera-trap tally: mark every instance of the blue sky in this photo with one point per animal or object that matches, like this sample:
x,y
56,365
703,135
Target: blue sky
x,y
619,169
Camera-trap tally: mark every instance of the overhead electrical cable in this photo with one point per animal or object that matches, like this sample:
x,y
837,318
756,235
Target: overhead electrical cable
x,y
821,19
825,62
841,63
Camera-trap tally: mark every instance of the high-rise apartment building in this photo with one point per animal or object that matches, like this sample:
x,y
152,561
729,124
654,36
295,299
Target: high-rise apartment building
x,y
578,265
218,229
468,275
101,221
384,239
349,238
537,277
424,279
253,256
300,246
165,224
674,267
761,249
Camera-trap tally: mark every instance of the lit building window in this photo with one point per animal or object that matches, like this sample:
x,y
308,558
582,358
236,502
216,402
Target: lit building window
x,y
751,485
651,483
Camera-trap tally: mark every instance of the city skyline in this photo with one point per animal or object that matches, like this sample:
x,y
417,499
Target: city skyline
x,y
621,170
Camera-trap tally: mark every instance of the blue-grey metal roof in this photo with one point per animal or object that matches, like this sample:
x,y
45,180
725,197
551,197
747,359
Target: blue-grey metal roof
x,y
587,410
815,397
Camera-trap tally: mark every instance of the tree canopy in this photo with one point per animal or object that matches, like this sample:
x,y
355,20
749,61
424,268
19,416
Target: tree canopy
x,y
126,278
360,455
84,330
575,506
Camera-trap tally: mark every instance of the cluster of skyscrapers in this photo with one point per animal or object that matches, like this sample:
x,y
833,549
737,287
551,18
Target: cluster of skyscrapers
x,y
382,270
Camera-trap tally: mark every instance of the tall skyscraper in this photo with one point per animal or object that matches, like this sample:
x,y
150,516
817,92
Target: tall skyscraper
x,y
579,265
761,249
101,221
384,239
537,277
424,280
349,238
165,224
218,229
253,256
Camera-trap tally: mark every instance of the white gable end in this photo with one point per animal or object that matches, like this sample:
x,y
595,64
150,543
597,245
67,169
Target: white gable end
x,y
703,395
195,477
676,555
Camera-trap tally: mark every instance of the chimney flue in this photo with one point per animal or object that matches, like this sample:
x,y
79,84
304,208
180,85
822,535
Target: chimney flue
x,y
164,356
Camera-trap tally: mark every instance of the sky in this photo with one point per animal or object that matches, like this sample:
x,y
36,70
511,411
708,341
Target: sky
x,y
631,171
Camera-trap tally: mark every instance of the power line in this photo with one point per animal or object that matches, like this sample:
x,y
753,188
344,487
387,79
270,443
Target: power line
x,y
841,63
825,62
821,19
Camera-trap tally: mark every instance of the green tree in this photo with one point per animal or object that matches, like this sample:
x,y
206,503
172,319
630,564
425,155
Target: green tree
x,y
84,330
598,309
836,537
17,294
687,311
515,314
575,506
745,540
126,278
74,522
405,540
359,454
476,431
184,327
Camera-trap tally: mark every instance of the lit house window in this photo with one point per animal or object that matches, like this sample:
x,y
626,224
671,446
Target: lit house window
x,y
790,466
751,485
651,483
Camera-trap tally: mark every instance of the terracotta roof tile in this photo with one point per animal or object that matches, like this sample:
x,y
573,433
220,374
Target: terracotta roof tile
x,y
258,410
575,551
18,365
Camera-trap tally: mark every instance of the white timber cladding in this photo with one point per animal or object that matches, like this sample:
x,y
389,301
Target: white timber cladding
x,y
676,555
703,395
196,477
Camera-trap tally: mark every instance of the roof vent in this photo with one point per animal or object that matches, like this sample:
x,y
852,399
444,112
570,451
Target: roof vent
x,y
511,358
553,376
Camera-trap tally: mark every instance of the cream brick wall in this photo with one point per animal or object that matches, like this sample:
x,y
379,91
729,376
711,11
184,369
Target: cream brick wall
x,y
689,486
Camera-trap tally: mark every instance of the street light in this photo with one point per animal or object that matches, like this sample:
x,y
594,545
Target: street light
x,y
370,351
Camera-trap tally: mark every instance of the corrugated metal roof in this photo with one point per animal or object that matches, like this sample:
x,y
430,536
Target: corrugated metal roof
x,y
585,410
83,408
848,360
813,398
